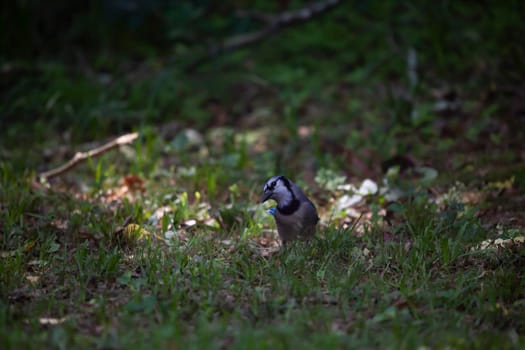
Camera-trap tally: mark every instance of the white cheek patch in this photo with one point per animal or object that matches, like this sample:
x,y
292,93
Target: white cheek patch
x,y
283,194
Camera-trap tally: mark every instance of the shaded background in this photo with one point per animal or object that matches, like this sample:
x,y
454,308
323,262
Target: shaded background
x,y
376,74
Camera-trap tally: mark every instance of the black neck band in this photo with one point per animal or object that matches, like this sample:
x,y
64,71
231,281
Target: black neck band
x,y
290,207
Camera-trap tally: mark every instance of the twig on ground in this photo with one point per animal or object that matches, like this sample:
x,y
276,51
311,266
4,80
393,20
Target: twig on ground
x,y
82,156
274,23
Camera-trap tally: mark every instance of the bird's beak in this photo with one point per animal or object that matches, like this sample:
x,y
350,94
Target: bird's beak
x,y
266,196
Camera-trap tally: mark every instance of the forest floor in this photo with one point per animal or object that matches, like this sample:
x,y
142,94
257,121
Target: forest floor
x,y
161,242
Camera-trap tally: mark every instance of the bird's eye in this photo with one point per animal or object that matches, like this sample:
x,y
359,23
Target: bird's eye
x,y
272,184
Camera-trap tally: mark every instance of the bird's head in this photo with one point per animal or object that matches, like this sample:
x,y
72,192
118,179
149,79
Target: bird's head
x,y
278,188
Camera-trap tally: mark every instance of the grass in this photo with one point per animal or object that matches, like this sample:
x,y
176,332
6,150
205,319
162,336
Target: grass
x,y
163,243
70,279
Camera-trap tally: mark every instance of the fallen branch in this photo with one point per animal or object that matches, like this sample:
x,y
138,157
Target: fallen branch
x,y
82,156
274,23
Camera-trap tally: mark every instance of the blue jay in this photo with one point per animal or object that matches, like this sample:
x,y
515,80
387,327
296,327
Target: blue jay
x,y
295,215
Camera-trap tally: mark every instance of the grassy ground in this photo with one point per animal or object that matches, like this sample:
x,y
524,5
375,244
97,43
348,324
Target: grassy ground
x,y
162,244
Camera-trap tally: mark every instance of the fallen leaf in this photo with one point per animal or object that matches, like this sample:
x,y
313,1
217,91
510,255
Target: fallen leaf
x,y
7,254
134,183
51,321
